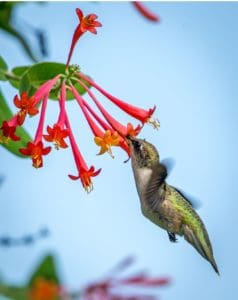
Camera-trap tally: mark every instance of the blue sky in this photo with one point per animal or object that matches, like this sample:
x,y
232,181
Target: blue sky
x,y
187,66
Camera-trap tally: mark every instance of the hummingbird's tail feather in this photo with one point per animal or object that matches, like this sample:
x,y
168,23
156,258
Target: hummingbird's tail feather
x,y
201,244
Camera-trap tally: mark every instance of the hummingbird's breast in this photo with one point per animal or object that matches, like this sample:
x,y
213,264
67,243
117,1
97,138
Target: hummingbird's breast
x,y
142,177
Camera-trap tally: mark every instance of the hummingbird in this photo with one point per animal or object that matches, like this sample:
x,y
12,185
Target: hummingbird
x,y
163,204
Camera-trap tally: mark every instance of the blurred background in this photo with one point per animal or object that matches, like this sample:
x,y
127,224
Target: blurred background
x,y
186,65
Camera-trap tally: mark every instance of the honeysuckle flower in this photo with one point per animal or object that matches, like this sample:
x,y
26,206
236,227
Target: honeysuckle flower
x,y
36,148
107,131
145,12
107,141
57,135
122,142
26,106
87,23
84,173
8,130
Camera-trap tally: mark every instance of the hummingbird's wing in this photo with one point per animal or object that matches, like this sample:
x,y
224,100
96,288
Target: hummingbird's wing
x,y
169,163
154,194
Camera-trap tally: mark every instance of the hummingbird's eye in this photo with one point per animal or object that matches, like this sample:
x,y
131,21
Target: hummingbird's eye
x,y
137,145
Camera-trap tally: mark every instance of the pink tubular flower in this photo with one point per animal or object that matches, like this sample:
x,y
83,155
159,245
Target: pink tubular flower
x,y
36,148
136,112
145,12
58,133
107,138
123,130
45,89
87,23
84,173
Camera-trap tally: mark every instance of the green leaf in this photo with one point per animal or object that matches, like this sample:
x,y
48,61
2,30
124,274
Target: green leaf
x,y
6,114
13,292
46,269
19,72
39,73
3,69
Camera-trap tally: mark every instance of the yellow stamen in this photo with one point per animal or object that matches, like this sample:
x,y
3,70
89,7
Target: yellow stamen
x,y
37,161
87,183
155,123
57,146
4,140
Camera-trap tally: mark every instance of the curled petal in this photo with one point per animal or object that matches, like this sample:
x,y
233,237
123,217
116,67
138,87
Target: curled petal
x,y
79,13
73,177
46,150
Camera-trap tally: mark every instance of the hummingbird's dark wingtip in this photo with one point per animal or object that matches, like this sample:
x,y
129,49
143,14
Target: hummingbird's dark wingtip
x,y
215,268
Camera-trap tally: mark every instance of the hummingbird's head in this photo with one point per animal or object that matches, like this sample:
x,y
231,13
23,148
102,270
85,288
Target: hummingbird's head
x,y
143,154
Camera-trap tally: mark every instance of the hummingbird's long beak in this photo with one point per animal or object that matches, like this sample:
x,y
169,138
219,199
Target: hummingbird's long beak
x,y
128,139
131,138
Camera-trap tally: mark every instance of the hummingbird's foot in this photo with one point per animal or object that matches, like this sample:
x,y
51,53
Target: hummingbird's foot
x,y
172,237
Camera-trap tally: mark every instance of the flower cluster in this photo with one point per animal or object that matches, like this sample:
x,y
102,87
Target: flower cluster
x,y
111,288
107,131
